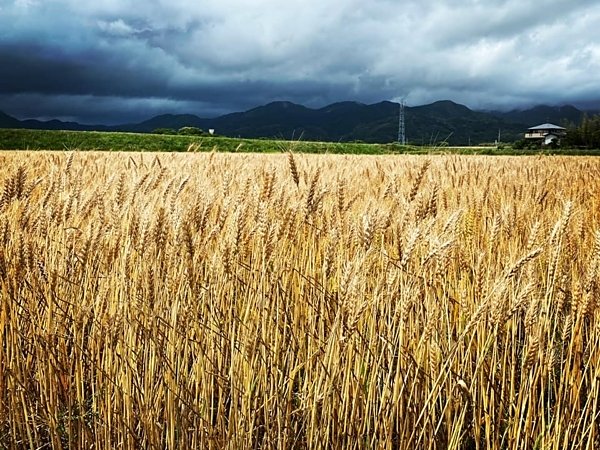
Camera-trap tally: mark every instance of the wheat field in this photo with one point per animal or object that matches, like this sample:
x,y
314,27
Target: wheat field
x,y
208,300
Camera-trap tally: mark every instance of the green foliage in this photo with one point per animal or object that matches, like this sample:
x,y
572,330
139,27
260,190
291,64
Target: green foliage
x,y
22,139
586,135
526,144
190,131
164,131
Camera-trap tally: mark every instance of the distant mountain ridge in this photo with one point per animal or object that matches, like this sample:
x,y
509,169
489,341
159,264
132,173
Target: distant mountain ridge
x,y
441,121
544,114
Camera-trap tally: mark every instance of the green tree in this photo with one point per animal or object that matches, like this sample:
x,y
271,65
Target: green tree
x,y
587,134
164,131
191,131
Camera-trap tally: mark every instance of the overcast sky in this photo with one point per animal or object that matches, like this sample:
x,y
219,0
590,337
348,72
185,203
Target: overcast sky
x,y
113,61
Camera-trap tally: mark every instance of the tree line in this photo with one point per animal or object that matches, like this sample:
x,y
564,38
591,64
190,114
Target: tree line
x,y
185,131
585,135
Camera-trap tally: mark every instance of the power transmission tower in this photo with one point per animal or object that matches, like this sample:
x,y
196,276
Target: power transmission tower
x,y
401,125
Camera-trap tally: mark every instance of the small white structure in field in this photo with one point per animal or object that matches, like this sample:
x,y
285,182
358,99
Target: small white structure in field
x,y
211,131
546,133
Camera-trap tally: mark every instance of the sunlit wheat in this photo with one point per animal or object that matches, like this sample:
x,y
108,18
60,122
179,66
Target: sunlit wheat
x,y
208,300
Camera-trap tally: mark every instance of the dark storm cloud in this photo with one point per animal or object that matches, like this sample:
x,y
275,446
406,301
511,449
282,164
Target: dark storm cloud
x,y
110,60
33,68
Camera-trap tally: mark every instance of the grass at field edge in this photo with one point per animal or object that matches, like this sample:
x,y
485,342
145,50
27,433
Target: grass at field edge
x,y
24,139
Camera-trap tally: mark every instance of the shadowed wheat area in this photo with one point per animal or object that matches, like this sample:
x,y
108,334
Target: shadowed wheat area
x,y
293,301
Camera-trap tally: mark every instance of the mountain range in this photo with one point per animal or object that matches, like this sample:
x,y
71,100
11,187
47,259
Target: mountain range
x,y
441,121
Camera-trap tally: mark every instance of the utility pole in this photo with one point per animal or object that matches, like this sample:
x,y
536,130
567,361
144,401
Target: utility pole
x,y
401,125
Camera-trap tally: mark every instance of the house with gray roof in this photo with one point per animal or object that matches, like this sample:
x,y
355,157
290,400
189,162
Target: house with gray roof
x,y
547,133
